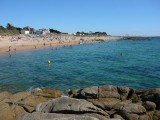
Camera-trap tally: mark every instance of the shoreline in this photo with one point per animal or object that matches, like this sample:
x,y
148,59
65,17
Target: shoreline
x,y
10,44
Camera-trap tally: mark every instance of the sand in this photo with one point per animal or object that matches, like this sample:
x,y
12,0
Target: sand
x,y
9,44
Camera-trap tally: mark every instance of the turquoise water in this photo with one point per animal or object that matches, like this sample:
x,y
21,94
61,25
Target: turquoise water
x,y
135,63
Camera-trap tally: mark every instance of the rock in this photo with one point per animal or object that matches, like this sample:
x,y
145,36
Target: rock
x,y
113,119
31,102
133,109
108,91
49,93
104,103
156,115
136,99
10,112
89,93
70,106
73,93
118,106
123,91
20,96
150,115
5,95
59,116
128,116
152,95
12,106
150,106
118,116
133,112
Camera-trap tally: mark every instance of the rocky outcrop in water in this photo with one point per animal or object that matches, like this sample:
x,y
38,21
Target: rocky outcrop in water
x,y
93,103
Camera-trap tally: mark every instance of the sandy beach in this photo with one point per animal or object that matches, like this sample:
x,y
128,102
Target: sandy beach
x,y
21,42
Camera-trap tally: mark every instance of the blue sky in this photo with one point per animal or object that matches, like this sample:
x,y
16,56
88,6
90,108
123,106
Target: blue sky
x,y
116,17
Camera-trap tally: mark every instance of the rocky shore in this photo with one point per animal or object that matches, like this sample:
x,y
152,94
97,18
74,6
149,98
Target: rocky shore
x,y
93,103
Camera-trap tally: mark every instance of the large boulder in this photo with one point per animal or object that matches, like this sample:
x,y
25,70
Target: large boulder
x,y
133,112
105,103
89,93
15,105
60,116
108,91
118,116
156,115
150,106
129,116
10,111
118,106
5,95
125,92
152,95
70,106
134,109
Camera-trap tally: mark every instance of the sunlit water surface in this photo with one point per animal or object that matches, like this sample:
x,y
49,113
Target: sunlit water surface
x,y
133,63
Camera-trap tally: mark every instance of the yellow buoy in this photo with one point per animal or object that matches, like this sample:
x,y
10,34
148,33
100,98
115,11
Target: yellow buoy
x,y
49,62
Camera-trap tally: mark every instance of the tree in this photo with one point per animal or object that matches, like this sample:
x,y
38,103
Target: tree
x,y
10,27
1,27
19,29
26,28
54,31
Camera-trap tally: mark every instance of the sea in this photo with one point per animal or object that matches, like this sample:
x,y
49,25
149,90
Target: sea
x,y
133,63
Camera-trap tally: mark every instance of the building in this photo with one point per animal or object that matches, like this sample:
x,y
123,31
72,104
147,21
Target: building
x,y
42,32
25,32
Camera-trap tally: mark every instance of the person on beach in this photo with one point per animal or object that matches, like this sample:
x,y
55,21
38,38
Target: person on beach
x,y
9,48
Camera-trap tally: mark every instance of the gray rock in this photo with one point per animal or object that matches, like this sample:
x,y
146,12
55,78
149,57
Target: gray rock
x,y
108,91
70,106
150,106
118,106
156,115
59,116
129,116
118,116
125,92
89,93
150,115
134,109
114,119
151,95
105,103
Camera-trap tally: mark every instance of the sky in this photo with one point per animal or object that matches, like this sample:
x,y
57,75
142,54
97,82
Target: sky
x,y
116,17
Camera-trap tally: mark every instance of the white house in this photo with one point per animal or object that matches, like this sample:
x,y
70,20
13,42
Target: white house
x,y
25,32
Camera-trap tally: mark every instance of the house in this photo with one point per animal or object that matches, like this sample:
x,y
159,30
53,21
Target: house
x,y
24,32
42,32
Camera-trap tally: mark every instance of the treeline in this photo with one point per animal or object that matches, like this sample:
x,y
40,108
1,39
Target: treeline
x,y
11,29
